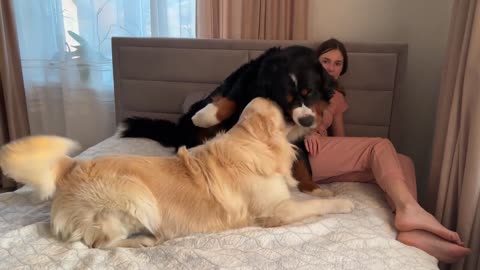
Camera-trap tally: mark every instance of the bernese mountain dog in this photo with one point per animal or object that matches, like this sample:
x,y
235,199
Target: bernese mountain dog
x,y
291,76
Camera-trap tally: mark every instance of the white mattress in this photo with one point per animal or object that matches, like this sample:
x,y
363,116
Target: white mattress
x,y
364,239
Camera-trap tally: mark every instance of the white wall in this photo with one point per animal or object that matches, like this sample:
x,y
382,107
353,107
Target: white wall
x,y
423,25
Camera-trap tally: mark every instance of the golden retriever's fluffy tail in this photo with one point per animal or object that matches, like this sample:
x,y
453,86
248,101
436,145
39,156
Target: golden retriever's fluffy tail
x,y
37,161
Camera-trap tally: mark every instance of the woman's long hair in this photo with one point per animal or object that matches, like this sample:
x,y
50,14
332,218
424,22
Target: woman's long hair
x,y
334,44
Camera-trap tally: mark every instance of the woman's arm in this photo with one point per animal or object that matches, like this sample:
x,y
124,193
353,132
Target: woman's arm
x,y
338,106
338,126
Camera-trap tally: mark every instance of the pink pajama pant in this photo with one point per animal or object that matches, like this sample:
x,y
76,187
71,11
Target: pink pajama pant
x,y
361,159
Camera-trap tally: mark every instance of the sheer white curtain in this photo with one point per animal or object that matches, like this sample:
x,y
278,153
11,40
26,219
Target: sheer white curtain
x,y
65,50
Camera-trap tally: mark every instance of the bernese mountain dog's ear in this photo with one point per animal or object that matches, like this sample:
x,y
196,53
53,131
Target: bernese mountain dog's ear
x,y
271,74
274,81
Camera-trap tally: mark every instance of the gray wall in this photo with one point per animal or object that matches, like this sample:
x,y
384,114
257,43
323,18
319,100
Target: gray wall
x,y
424,26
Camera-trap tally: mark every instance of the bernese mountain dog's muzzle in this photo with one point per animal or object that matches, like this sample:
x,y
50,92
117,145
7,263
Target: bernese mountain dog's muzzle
x,y
305,104
304,116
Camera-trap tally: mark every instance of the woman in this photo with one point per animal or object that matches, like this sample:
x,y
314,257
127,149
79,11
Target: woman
x,y
334,157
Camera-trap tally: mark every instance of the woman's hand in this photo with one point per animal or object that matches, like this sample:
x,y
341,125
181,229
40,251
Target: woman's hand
x,y
312,141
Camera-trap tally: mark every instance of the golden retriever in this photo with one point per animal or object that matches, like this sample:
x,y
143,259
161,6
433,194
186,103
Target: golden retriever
x,y
234,180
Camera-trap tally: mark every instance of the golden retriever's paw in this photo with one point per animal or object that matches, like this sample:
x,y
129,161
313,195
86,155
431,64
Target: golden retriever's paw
x,y
100,242
268,222
146,242
291,182
344,206
138,242
206,117
318,192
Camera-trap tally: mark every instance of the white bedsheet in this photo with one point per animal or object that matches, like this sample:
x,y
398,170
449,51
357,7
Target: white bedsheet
x,y
363,239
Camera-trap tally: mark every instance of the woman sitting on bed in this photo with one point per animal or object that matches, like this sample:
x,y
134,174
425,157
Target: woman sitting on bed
x,y
362,159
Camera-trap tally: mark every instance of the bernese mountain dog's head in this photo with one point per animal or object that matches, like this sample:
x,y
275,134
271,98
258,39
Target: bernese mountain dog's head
x,y
295,79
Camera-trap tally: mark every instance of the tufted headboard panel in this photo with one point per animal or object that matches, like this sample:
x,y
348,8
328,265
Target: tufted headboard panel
x,y
160,77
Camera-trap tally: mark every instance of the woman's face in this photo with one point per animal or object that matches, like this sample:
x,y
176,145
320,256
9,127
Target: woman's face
x,y
332,61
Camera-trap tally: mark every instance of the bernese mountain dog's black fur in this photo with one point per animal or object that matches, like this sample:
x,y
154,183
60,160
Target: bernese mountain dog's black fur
x,y
292,77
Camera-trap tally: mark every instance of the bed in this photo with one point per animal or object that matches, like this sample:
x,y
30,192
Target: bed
x,y
161,77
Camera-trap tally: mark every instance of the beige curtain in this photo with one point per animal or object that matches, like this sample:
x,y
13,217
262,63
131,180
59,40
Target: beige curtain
x,y
13,108
454,183
252,19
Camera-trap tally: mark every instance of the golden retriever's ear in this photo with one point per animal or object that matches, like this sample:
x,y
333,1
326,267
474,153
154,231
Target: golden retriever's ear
x,y
261,106
269,124
255,106
263,116
189,161
260,125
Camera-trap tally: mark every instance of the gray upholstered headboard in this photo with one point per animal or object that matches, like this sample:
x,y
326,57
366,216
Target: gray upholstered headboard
x,y
153,76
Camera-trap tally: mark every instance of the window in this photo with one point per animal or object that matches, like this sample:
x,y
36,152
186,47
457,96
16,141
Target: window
x,y
65,50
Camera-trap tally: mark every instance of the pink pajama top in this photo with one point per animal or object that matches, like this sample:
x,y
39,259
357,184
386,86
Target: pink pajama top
x,y
338,104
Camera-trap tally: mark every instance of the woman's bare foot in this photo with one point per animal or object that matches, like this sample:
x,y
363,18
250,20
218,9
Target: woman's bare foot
x,y
414,217
434,245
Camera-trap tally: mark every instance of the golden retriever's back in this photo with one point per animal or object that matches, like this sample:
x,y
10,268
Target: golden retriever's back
x,y
202,190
